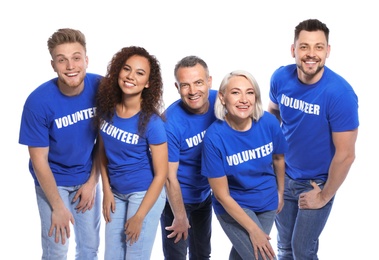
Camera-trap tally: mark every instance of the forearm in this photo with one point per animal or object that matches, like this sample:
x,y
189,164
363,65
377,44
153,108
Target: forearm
x,y
151,196
338,170
175,198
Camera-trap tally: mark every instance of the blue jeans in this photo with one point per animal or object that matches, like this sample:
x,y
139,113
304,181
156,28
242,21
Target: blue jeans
x,y
198,242
238,236
299,229
115,238
86,227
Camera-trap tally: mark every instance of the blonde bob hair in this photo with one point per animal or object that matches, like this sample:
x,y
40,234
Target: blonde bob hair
x,y
220,109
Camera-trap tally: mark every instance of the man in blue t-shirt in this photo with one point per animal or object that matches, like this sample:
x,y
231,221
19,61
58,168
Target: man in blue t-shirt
x,y
318,110
57,126
188,210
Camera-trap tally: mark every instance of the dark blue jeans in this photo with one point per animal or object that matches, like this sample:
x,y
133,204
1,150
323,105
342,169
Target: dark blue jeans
x,y
299,229
198,242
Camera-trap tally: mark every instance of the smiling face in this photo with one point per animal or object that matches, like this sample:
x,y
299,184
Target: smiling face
x,y
70,62
239,100
193,85
134,75
310,52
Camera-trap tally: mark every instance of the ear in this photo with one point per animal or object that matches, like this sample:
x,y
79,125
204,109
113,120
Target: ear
x,y
52,65
147,85
328,51
210,82
293,50
221,97
177,86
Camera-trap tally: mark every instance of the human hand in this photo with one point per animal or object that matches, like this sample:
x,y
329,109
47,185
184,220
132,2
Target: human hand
x,y
60,223
86,195
109,206
179,229
311,199
261,244
133,228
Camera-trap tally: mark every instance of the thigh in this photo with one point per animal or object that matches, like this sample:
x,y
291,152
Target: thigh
x,y
237,235
50,249
87,228
201,229
307,230
171,250
115,238
143,247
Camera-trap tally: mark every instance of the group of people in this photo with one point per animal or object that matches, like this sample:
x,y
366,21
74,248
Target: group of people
x,y
210,151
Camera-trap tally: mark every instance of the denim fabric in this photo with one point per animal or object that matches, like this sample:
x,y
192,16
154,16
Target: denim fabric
x,y
115,238
198,243
299,229
86,227
242,247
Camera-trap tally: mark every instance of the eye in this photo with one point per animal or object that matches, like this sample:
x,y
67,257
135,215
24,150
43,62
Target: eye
x,y
199,83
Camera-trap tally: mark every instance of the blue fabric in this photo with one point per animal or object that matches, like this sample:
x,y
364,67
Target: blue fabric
x,y
128,153
310,113
185,133
51,119
240,239
86,227
299,229
246,159
127,205
198,243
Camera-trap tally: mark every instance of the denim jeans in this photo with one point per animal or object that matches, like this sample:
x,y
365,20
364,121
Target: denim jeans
x,y
299,229
115,238
86,226
198,242
238,236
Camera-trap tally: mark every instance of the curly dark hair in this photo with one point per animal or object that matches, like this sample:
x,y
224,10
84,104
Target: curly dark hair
x,y
110,94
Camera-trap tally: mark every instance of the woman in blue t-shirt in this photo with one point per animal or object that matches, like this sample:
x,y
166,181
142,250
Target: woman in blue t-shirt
x,y
243,158
133,153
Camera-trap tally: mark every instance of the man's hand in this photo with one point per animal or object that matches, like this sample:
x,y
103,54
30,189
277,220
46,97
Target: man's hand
x,y
179,229
312,199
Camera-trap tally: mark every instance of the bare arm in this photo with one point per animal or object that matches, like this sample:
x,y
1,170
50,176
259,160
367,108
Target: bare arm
x,y
87,192
61,216
109,204
259,239
274,109
344,157
133,225
180,224
279,169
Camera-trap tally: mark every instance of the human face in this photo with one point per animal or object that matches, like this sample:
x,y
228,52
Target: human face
x,y
239,101
193,85
70,62
134,75
310,52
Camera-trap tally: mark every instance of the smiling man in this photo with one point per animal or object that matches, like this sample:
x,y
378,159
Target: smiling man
x,y
318,110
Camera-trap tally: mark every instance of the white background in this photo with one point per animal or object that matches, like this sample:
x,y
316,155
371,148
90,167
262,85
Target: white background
x,y
228,35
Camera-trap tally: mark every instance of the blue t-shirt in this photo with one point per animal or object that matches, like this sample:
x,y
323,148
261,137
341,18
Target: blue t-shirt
x,y
245,158
65,125
129,159
310,113
185,133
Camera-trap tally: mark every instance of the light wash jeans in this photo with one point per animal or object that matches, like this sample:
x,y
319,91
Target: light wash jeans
x,y
240,239
299,229
86,227
115,239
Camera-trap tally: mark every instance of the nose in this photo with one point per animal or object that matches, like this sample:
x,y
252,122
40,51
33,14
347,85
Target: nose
x,y
70,65
243,98
192,89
